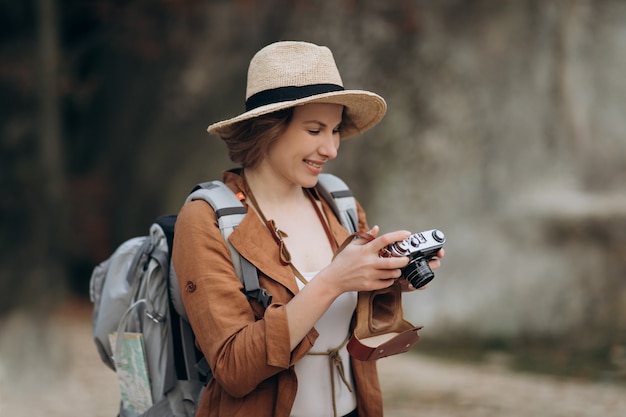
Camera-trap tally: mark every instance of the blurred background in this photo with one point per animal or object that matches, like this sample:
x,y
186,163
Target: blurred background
x,y
505,130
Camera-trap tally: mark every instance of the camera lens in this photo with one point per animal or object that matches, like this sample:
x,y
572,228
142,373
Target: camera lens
x,y
418,273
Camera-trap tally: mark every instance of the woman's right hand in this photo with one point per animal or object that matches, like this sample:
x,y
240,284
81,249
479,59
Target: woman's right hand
x,y
359,267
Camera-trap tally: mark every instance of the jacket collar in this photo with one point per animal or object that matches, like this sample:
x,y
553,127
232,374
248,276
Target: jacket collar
x,y
254,242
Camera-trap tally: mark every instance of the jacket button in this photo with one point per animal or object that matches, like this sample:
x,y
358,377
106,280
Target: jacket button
x,y
191,286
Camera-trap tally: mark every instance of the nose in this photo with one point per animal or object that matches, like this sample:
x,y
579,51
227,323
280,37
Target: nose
x,y
330,145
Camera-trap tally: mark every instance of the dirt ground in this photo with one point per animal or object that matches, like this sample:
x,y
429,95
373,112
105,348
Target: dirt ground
x,y
70,380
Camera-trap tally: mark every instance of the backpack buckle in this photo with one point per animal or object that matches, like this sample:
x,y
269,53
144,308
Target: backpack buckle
x,y
157,318
263,297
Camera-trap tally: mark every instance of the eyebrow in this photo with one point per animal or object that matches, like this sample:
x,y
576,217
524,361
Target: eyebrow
x,y
315,121
321,124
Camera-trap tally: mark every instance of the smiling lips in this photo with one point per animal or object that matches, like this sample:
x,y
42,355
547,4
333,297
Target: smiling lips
x,y
313,164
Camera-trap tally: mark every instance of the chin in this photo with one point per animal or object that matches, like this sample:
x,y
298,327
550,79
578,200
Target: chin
x,y
309,182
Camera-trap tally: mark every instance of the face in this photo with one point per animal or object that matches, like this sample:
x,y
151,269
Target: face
x,y
311,139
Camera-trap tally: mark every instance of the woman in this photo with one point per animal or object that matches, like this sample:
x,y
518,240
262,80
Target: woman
x,y
273,362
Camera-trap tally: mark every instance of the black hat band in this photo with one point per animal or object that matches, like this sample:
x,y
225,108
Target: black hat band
x,y
280,94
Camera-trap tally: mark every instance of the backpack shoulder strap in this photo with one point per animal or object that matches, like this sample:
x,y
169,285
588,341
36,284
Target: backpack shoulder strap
x,y
230,212
340,198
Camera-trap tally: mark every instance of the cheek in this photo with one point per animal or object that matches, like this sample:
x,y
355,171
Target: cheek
x,y
281,155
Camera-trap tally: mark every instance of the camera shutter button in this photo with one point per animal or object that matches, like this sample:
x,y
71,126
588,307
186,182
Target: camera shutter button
x,y
438,236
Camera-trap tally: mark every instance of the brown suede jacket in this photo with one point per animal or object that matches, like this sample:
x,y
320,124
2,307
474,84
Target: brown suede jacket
x,y
248,347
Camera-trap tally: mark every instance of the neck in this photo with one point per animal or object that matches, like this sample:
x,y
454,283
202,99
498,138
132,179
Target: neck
x,y
270,189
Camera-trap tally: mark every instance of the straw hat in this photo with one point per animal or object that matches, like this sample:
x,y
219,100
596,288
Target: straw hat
x,y
287,74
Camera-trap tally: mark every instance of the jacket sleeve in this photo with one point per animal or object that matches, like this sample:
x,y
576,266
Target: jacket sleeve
x,y
243,350
363,227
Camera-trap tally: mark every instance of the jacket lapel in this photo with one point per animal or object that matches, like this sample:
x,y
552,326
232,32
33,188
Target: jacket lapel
x,y
254,242
339,232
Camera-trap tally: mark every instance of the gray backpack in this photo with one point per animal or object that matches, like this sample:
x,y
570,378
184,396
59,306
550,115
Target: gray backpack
x,y
140,326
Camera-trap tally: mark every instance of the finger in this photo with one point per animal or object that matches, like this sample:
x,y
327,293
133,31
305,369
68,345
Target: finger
x,y
388,282
389,238
380,273
406,285
362,237
434,263
374,231
392,262
380,284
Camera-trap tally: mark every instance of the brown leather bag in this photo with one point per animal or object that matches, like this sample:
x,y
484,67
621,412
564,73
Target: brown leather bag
x,y
381,329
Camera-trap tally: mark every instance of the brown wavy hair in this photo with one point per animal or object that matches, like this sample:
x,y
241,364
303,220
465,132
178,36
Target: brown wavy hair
x,y
249,141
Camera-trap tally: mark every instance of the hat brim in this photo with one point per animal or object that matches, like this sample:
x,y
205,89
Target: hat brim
x,y
365,109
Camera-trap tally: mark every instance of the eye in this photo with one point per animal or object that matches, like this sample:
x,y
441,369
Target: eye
x,y
314,132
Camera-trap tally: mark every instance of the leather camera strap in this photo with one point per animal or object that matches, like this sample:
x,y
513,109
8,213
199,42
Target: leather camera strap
x,y
278,235
350,239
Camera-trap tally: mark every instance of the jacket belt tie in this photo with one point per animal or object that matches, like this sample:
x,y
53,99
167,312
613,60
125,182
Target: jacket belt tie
x,y
335,361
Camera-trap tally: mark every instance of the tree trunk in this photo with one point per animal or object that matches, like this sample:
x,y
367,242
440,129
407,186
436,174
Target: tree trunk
x,y
46,265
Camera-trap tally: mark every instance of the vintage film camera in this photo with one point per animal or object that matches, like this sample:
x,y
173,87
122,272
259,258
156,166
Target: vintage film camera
x,y
419,247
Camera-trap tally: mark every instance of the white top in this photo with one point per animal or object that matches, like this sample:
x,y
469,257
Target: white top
x,y
314,396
